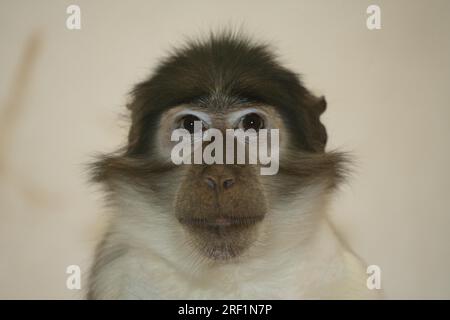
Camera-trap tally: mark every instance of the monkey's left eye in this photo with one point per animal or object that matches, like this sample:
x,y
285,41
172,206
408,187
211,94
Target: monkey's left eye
x,y
251,121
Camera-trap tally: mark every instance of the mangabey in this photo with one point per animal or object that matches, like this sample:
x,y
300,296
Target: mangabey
x,y
222,231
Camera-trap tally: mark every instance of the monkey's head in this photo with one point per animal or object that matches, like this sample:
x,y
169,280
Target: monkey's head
x,y
220,212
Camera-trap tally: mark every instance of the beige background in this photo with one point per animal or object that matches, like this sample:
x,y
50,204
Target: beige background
x,y
62,93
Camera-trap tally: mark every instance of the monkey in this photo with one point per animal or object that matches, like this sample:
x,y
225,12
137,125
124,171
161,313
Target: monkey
x,y
223,231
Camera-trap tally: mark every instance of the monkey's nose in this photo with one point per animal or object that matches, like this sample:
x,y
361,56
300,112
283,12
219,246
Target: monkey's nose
x,y
224,183
211,183
228,183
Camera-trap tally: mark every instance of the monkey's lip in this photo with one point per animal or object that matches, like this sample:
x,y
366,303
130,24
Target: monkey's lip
x,y
221,222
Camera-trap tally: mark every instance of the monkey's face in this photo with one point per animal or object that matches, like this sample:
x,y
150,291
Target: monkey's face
x,y
222,210
221,206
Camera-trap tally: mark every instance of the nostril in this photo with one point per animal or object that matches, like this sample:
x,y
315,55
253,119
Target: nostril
x,y
228,183
210,182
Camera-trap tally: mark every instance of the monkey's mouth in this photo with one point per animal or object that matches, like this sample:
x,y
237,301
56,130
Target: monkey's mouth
x,y
222,238
221,222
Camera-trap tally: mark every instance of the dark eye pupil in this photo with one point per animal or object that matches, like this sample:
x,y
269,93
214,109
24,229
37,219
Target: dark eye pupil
x,y
188,123
252,121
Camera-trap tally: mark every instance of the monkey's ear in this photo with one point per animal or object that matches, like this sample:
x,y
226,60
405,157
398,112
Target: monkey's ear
x,y
131,100
321,105
317,106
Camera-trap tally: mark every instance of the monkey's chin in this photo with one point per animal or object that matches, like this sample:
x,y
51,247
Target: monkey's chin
x,y
222,243
223,252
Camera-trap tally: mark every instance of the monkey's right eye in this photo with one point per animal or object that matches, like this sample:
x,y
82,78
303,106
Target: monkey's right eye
x,y
188,123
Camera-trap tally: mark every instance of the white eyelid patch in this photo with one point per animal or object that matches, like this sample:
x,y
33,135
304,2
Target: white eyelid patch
x,y
235,117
